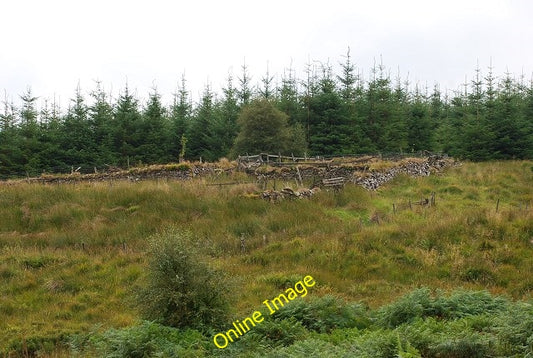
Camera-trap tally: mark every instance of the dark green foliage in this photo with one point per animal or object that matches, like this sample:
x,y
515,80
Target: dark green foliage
x,y
200,140
76,134
406,309
420,304
329,125
100,121
325,314
182,291
145,340
463,324
125,129
154,130
279,332
328,115
264,128
224,127
179,121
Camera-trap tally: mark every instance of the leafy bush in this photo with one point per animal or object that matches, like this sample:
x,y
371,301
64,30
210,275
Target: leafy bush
x,y
181,290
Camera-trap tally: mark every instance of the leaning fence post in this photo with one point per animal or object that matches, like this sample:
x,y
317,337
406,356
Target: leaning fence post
x,y
497,204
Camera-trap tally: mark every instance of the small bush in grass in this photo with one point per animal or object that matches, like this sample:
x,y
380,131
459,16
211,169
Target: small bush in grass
x,y
181,290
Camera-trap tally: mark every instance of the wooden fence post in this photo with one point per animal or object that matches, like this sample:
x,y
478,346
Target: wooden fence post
x,y
299,176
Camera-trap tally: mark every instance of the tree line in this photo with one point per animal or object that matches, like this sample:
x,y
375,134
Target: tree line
x,y
325,113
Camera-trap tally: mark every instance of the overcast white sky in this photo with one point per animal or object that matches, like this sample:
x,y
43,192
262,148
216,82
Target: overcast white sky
x,y
54,44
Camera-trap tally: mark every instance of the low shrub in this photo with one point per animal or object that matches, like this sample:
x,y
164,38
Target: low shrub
x,y
181,290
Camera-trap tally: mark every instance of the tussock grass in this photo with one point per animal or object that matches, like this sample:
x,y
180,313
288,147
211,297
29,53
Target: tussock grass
x,y
72,256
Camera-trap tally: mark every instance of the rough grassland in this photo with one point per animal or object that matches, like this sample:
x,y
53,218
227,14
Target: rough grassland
x,y
71,256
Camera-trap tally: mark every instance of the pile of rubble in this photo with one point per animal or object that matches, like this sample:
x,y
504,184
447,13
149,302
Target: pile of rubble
x,y
368,172
374,179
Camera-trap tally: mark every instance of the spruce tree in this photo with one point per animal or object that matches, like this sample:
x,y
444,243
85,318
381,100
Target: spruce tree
x,y
101,123
527,115
351,97
225,127
245,92
267,90
154,129
77,137
29,135
200,140
52,153
418,125
437,113
125,129
510,131
329,124
11,156
180,117
310,88
287,99
347,79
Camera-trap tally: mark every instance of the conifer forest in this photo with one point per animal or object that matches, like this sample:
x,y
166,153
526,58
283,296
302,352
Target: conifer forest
x,y
325,113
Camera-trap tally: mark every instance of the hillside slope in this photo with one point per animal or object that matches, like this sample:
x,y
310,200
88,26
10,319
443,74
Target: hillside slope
x,y
73,255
